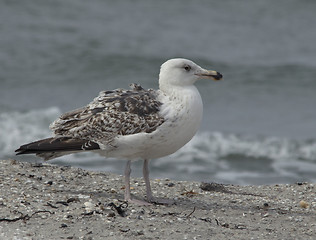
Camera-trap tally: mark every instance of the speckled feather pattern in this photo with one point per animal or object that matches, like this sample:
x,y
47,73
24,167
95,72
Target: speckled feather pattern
x,y
112,113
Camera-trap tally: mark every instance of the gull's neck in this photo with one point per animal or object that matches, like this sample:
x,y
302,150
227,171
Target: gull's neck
x,y
183,97
176,90
183,103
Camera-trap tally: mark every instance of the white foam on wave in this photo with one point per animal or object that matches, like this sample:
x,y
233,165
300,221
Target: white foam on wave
x,y
216,145
210,156
230,158
19,128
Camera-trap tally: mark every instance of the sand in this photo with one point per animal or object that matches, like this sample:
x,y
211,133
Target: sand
x,y
43,201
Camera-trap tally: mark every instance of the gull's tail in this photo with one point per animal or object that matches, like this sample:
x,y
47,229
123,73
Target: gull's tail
x,y
50,148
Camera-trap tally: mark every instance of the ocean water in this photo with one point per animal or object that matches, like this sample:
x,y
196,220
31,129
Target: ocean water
x,y
259,124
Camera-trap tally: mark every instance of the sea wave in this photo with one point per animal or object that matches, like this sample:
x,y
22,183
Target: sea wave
x,y
18,128
22,127
210,156
219,145
240,159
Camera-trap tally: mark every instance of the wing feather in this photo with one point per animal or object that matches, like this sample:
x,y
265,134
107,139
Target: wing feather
x,y
112,113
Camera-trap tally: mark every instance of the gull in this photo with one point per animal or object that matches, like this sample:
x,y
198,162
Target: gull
x,y
133,124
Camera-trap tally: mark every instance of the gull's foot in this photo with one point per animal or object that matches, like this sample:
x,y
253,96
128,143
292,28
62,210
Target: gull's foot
x,y
139,202
161,201
151,201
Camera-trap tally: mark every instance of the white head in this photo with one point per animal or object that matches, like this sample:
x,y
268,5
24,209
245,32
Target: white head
x,y
183,72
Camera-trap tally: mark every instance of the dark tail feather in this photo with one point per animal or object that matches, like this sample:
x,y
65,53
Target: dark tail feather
x,y
58,145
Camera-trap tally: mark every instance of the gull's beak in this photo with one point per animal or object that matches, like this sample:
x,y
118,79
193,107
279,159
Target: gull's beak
x,y
202,73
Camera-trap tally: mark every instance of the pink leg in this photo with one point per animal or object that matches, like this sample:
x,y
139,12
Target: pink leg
x,y
149,194
150,197
127,194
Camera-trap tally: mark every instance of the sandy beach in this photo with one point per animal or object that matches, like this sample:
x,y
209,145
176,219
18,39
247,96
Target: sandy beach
x,y
43,201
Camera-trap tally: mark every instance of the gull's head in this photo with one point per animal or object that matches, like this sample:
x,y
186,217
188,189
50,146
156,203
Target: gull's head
x,y
183,72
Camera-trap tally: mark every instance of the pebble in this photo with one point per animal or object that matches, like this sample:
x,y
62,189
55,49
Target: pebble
x,y
303,204
89,206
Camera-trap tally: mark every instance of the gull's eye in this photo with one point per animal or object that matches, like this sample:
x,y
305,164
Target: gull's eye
x,y
187,68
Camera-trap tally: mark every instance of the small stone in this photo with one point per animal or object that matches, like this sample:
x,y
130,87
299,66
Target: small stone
x,y
212,187
83,196
265,215
111,214
226,225
72,199
140,232
303,204
89,206
265,206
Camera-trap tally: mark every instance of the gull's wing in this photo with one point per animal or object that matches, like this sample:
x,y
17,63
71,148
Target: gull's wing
x,y
112,113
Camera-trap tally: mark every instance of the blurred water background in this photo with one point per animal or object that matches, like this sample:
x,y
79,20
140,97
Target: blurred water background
x,y
259,123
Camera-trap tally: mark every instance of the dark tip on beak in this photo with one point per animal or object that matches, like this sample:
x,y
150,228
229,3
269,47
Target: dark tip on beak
x,y
218,76
210,74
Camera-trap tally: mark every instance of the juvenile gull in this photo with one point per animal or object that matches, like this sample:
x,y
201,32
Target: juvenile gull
x,y
133,124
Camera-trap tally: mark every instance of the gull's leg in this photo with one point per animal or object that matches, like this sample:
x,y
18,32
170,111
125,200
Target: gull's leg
x,y
127,194
149,194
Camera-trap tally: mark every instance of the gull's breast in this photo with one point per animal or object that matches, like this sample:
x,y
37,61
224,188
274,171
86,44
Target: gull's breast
x,y
182,113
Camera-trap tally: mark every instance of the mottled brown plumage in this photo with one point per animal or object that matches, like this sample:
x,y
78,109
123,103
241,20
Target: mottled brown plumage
x,y
112,113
